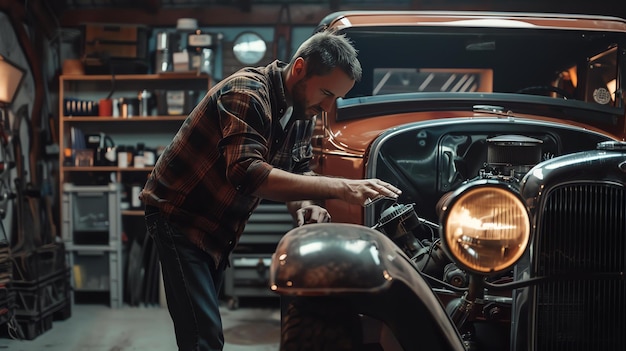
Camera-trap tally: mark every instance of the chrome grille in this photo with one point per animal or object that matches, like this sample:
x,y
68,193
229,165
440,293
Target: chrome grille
x,y
582,240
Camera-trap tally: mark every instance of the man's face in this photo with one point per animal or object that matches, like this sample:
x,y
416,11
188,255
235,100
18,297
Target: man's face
x,y
314,94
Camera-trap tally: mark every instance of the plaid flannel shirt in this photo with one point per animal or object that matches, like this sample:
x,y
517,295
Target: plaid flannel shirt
x,y
204,180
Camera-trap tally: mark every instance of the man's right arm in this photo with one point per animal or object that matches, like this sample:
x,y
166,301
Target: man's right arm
x,y
285,186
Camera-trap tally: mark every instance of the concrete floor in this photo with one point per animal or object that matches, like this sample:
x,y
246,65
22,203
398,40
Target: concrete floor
x,y
99,328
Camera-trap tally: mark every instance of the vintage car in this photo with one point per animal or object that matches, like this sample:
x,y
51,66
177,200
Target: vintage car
x,y
505,132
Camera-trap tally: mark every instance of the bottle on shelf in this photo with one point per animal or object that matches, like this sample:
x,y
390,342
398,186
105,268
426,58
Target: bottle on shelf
x,y
139,160
166,44
122,156
144,103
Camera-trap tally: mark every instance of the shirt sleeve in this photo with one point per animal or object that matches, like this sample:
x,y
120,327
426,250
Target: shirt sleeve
x,y
246,126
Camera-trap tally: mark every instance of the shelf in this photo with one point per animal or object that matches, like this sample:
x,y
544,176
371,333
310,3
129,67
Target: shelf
x,y
98,267
133,213
90,249
103,289
123,131
122,77
105,169
100,119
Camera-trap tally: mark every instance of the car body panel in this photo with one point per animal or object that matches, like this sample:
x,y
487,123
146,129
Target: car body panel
x,y
501,53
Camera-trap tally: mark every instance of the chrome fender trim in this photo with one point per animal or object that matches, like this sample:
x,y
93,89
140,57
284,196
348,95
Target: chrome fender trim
x,y
331,258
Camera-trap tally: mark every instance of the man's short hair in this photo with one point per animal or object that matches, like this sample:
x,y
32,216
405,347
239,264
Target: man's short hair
x,y
327,50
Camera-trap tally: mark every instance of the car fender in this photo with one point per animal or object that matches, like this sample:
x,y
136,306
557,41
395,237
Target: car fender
x,y
343,259
330,258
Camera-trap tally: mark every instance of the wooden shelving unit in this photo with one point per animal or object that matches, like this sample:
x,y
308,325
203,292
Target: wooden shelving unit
x,y
104,261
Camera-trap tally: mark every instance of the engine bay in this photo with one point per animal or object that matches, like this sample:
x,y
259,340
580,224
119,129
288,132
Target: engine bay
x,y
429,159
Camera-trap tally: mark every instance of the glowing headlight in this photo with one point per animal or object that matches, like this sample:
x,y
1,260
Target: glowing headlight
x,y
486,228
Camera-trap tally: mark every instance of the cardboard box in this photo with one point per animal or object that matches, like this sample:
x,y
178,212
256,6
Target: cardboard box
x,y
116,40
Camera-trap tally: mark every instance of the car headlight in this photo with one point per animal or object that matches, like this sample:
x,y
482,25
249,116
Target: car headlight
x,y
485,227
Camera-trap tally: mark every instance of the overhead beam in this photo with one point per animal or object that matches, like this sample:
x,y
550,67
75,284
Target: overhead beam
x,y
208,16
245,12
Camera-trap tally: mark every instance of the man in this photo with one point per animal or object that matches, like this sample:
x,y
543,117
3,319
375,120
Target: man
x,y
247,140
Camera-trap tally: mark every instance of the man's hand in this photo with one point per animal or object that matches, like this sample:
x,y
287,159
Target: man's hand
x,y
311,214
366,191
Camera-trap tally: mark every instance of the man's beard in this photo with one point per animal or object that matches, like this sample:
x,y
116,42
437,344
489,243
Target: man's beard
x,y
299,99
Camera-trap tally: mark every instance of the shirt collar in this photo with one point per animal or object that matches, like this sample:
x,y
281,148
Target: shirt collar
x,y
284,120
279,96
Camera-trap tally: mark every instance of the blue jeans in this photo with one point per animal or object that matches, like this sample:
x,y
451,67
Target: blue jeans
x,y
192,285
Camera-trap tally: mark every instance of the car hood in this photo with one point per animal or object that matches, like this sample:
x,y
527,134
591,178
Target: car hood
x,y
359,121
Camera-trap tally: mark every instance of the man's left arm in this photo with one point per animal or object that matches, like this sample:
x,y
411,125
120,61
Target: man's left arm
x,y
308,211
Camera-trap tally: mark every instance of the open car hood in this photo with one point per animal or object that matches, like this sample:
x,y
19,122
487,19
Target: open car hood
x,y
567,67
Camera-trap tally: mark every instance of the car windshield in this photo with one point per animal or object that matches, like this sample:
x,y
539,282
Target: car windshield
x,y
563,64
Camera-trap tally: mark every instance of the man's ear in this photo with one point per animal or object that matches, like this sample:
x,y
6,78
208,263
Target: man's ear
x,y
298,70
